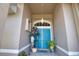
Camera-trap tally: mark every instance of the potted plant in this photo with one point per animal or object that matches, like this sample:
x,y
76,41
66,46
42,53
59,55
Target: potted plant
x,y
23,53
34,33
51,45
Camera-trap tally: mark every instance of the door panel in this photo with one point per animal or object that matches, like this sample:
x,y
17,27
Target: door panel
x,y
40,38
43,38
46,37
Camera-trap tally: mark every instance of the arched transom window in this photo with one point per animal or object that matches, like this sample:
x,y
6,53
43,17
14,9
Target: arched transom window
x,y
42,24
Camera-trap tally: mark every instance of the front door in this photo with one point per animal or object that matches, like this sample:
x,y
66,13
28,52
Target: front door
x,y
44,37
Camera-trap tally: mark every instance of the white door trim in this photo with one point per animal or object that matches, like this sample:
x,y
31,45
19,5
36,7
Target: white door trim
x,y
62,49
50,27
40,21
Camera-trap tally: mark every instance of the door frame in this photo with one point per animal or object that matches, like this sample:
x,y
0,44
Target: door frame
x,y
51,28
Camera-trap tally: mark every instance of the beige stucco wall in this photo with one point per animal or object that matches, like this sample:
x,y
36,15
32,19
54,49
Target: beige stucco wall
x,y
59,28
11,35
24,34
3,16
75,8
70,28
12,28
65,28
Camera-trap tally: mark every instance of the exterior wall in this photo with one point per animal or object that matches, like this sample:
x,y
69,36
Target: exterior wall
x,y
65,30
70,28
25,34
3,16
14,38
60,30
12,30
12,27
75,8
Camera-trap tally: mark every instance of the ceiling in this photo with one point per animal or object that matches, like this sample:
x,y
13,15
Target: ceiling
x,y
42,8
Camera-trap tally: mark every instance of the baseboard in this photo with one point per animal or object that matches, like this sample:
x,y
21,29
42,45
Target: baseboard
x,y
63,50
14,51
24,47
70,53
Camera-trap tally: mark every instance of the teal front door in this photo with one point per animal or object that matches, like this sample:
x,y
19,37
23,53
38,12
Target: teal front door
x,y
43,38
46,37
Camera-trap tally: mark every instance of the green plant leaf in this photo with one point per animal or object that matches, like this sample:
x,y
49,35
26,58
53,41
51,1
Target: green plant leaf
x,y
23,53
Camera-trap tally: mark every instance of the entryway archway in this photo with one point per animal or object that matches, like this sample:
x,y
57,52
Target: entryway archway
x,y
45,33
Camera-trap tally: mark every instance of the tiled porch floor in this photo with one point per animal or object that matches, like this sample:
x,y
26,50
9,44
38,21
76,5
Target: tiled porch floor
x,y
43,53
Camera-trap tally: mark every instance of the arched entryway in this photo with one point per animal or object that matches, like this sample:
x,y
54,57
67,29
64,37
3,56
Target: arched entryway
x,y
45,33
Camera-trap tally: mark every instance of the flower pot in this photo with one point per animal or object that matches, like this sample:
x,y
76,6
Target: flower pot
x,y
51,49
34,50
